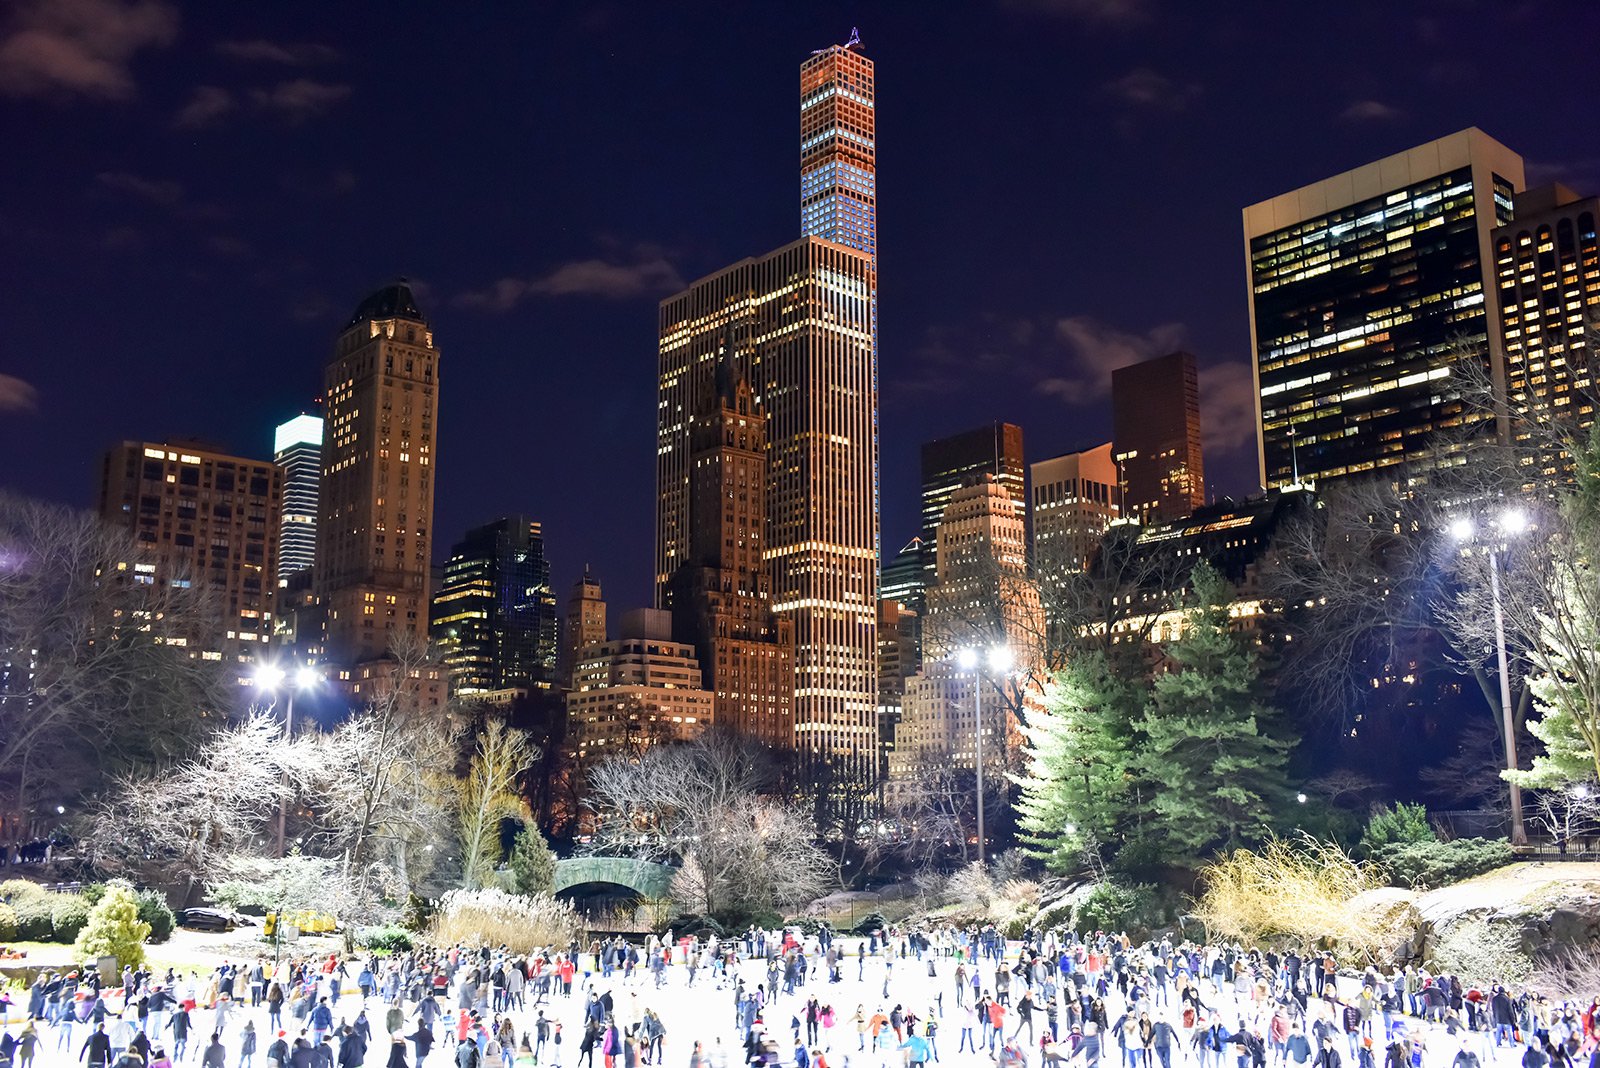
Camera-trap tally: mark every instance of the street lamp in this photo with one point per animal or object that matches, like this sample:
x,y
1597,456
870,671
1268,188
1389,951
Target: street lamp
x,y
998,659
272,677
1511,523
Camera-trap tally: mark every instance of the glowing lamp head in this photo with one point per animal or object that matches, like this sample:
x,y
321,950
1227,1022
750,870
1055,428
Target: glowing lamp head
x,y
1462,529
1000,658
306,677
269,676
967,659
1514,521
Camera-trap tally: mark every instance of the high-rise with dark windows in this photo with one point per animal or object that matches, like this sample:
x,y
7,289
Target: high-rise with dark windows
x,y
958,460
494,615
1155,419
297,448
1366,289
1547,268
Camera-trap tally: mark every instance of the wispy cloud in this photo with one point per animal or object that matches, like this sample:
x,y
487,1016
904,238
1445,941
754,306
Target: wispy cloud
x,y
1092,12
1371,111
1148,89
1095,349
17,395
1227,407
156,191
301,98
647,272
299,54
205,108
80,48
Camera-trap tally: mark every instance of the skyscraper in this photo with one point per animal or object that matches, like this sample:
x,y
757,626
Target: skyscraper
x,y
375,509
494,615
801,326
952,462
585,624
838,148
297,448
1366,289
1547,270
206,519
721,595
1155,409
636,690
1074,501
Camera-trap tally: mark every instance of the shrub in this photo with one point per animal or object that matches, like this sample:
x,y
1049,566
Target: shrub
x,y
387,939
872,921
1401,825
418,914
154,910
532,865
1421,865
69,915
8,923
16,891
33,916
113,928
1482,952
1114,906
693,923
92,893
494,917
809,926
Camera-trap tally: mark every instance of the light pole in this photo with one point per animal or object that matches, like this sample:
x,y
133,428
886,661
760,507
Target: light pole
x,y
271,677
1511,523
998,658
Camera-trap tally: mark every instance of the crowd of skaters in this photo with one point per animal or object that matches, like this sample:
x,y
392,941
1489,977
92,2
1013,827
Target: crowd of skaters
x,y
892,998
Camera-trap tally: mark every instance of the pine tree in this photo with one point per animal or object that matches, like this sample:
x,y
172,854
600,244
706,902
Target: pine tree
x,y
1211,768
1076,786
533,866
114,928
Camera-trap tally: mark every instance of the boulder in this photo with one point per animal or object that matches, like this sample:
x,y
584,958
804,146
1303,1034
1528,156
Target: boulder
x,y
1554,906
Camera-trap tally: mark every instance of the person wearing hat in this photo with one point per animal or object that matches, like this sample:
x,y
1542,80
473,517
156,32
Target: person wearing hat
x,y
278,1051
247,1044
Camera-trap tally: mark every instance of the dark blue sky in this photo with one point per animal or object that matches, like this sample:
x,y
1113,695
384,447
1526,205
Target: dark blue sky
x,y
194,197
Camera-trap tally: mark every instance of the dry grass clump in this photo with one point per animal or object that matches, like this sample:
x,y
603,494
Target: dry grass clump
x,y
523,923
1302,892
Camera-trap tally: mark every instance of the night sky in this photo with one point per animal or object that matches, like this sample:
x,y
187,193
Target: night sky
x,y
194,198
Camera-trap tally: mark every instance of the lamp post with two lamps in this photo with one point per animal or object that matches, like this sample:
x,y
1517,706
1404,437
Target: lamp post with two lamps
x,y
1510,524
997,658
272,678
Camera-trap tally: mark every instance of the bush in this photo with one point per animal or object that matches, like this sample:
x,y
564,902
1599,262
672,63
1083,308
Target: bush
x,y
33,917
1425,865
388,939
494,917
809,926
693,923
532,865
418,914
1481,952
92,893
113,928
154,910
68,916
1401,825
1114,906
16,891
872,921
8,923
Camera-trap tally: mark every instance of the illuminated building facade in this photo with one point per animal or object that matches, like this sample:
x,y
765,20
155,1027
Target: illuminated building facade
x,y
375,508
1155,410
1365,289
204,520
1547,270
838,149
494,614
801,318
297,448
721,595
637,690
1074,502
953,462
585,623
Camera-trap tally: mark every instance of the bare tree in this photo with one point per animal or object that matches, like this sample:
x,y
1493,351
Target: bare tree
x,y
97,671
489,795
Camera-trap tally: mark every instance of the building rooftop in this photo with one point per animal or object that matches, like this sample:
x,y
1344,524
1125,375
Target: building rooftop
x,y
393,301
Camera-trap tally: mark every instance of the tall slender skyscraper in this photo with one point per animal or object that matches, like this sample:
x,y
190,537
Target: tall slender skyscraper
x,y
1155,413
1365,290
494,615
839,149
297,448
375,510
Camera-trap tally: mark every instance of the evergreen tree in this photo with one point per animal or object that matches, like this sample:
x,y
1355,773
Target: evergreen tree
x,y
533,865
1211,768
1076,786
114,928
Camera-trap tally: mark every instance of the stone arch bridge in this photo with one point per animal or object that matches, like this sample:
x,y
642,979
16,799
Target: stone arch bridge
x,y
643,877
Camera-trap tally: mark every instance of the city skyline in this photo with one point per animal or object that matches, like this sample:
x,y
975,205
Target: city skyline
x,y
590,288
